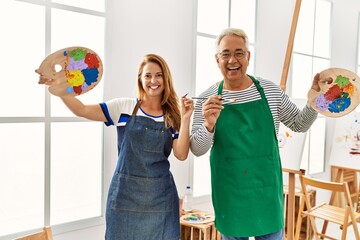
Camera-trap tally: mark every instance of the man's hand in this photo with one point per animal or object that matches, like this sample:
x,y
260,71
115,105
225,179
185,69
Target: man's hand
x,y
315,84
211,109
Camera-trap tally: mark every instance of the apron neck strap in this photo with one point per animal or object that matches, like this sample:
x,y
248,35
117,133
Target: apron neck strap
x,y
220,88
136,108
258,86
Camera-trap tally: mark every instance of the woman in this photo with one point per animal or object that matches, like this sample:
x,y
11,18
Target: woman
x,y
142,202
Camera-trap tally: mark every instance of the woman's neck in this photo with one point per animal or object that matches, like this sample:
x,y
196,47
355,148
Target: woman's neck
x,y
152,107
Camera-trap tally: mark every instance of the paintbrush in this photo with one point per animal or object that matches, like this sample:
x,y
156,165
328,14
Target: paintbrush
x,y
203,98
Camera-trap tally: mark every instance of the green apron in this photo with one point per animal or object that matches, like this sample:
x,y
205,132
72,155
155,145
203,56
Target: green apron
x,y
246,173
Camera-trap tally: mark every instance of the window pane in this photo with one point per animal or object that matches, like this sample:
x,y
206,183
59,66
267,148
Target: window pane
x,y
212,16
317,146
305,28
202,180
358,59
22,50
319,65
301,76
96,5
76,171
90,34
243,16
305,155
322,29
21,177
207,71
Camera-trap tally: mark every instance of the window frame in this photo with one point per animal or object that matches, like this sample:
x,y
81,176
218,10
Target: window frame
x,y
357,66
306,159
251,70
47,119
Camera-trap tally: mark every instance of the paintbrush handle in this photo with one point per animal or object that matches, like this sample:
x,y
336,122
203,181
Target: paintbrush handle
x,y
203,98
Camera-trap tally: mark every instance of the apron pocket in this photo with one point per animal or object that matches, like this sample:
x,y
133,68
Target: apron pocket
x,y
248,173
141,194
154,140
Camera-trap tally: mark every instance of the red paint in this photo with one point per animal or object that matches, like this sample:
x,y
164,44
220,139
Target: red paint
x,y
333,93
91,60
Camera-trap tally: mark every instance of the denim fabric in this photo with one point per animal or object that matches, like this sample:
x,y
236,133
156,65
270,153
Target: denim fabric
x,y
272,236
143,202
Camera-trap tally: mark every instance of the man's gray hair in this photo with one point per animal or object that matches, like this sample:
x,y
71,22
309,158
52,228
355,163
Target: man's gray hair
x,y
231,31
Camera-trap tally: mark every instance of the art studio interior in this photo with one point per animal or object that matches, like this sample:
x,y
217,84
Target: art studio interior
x,y
56,167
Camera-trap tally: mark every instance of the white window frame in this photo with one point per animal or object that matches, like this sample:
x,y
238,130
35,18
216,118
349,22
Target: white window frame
x,y
202,161
358,49
47,120
310,142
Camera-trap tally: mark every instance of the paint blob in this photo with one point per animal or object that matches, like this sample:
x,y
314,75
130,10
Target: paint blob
x,y
338,97
82,69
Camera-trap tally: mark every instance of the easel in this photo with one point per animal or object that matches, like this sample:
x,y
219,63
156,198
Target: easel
x,y
290,218
290,45
291,187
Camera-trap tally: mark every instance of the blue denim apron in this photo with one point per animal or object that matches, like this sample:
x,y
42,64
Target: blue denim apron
x,y
143,202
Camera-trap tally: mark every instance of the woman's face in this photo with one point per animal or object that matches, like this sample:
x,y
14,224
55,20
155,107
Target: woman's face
x,y
152,79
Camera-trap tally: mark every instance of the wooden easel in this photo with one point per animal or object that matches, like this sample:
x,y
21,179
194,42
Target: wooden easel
x,y
291,188
290,45
290,218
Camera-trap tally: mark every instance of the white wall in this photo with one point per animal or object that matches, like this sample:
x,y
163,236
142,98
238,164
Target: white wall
x,y
138,27
135,28
165,27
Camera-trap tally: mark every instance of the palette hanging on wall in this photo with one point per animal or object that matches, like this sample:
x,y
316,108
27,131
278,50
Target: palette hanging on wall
x,y
74,70
338,98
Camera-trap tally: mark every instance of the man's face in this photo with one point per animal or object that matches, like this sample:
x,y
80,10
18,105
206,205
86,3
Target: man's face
x,y
233,58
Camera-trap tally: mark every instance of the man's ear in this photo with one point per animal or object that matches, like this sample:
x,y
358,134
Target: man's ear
x,y
248,56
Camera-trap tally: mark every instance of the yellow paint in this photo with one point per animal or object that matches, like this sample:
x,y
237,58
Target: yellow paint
x,y
75,78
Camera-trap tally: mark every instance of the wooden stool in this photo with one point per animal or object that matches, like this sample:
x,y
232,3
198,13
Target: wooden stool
x,y
195,231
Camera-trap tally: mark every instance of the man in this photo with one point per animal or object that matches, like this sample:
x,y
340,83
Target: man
x,y
239,120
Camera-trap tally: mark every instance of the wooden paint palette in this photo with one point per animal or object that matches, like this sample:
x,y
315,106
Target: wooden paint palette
x,y
338,98
74,70
197,218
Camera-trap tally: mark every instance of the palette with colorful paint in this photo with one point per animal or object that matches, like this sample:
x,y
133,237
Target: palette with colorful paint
x,y
73,70
197,218
338,98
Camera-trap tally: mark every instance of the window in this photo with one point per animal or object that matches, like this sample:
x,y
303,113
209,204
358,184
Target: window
x,y
311,54
358,58
51,161
214,16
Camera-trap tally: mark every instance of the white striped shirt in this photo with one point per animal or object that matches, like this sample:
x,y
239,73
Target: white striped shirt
x,y
281,107
118,111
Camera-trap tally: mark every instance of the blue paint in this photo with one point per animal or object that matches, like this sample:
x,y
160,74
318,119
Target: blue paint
x,y
69,90
91,75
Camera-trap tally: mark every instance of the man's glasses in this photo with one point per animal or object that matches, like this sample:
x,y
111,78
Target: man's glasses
x,y
225,55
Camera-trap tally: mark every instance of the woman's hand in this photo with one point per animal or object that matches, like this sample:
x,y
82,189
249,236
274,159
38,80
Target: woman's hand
x,y
57,82
187,107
